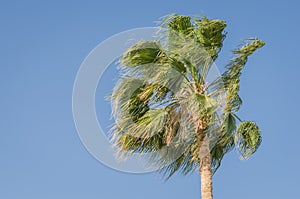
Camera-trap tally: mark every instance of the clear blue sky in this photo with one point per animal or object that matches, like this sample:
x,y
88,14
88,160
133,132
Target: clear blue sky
x,y
42,45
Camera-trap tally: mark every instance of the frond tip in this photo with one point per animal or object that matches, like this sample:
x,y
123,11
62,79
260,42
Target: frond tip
x,y
248,138
250,47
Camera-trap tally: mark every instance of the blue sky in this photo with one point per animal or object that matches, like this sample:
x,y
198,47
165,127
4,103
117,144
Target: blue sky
x,y
42,47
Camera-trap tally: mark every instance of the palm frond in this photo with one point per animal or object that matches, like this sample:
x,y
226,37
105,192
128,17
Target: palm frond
x,y
210,34
248,138
225,141
231,76
144,52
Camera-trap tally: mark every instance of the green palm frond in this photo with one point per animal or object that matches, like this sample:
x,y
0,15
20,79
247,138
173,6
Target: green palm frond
x,y
248,138
225,141
231,76
144,52
151,123
183,165
179,24
225,145
210,34
130,144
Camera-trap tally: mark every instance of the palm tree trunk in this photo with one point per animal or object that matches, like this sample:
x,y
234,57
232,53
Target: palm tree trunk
x,y
205,170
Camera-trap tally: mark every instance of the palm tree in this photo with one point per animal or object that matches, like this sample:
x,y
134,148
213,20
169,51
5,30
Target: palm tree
x,y
164,105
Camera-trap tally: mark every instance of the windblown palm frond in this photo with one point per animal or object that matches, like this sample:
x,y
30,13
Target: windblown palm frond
x,y
248,138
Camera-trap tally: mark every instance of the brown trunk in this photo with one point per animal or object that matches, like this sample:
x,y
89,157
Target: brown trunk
x,y
205,159
205,169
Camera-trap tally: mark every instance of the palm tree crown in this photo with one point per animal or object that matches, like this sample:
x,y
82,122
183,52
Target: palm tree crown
x,y
164,104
